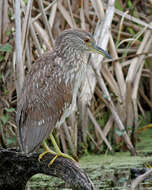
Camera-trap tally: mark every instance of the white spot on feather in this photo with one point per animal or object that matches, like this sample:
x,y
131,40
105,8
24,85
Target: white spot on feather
x,y
41,122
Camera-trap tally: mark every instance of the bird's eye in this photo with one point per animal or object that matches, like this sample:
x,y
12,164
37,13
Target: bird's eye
x,y
87,40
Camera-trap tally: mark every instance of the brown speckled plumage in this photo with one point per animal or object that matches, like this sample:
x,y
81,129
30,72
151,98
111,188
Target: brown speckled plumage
x,y
50,88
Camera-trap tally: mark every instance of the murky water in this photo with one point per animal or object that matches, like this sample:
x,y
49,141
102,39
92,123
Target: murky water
x,y
108,172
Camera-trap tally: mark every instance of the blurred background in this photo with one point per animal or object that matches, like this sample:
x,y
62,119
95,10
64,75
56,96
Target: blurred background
x,y
114,109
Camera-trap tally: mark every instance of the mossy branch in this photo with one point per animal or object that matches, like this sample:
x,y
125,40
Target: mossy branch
x,y
17,168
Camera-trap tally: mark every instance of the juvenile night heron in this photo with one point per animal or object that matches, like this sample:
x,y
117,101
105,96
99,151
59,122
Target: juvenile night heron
x,y
51,87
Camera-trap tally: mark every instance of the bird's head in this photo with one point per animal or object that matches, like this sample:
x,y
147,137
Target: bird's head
x,y
82,41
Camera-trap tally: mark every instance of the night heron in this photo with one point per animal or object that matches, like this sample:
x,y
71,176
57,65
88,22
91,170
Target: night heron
x,y
51,87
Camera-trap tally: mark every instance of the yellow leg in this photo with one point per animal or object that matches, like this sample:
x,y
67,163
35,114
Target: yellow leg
x,y
57,153
47,150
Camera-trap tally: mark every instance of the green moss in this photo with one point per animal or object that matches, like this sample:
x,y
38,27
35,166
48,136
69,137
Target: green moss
x,y
102,169
117,160
145,141
45,182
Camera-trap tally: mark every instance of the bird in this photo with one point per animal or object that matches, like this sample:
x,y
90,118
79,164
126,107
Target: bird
x,y
51,88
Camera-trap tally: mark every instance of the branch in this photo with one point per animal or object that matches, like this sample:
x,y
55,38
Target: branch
x,y
17,168
18,42
140,178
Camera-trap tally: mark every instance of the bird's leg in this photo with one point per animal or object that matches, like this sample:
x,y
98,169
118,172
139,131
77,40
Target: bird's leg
x,y
57,153
47,150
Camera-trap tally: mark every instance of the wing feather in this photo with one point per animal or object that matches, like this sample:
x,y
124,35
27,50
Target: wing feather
x,y
40,106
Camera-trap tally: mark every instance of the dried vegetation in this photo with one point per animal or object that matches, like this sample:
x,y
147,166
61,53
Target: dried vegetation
x,y
118,92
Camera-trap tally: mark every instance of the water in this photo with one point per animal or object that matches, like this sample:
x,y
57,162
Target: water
x,y
108,172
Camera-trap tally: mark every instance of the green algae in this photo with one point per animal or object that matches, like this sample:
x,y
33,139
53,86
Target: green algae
x,y
118,160
45,182
108,172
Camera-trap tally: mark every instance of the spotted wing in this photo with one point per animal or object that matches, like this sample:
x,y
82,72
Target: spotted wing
x,y
41,105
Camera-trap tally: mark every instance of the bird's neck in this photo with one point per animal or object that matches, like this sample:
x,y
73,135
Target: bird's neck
x,y
75,69
73,66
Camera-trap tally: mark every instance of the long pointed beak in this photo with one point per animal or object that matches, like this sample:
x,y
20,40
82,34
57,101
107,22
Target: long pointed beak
x,y
96,49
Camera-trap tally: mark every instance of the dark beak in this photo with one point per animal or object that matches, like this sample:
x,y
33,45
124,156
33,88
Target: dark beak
x,y
96,49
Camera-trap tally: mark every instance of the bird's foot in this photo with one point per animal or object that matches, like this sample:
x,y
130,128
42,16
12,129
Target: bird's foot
x,y
60,154
45,152
57,154
55,157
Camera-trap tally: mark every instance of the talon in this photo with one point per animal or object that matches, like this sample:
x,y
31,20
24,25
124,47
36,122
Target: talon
x,y
57,153
52,161
42,154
